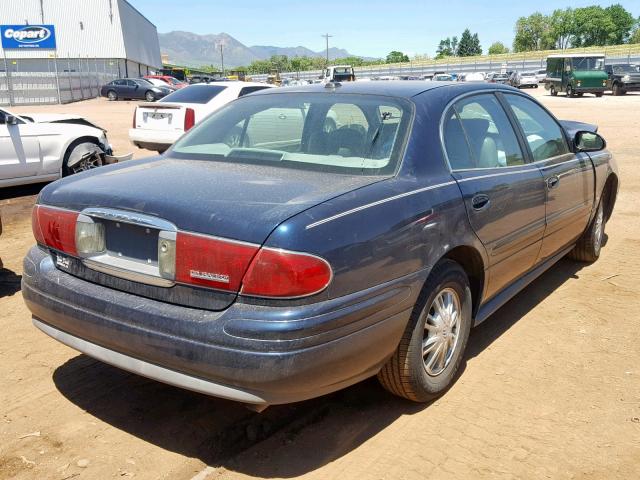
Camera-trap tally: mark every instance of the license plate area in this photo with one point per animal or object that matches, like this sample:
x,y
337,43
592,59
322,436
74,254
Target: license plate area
x,y
131,242
156,117
131,245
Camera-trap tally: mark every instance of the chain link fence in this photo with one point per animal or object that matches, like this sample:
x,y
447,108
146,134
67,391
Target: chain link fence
x,y
486,63
46,81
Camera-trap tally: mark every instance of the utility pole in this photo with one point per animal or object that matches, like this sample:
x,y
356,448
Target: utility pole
x,y
327,37
222,57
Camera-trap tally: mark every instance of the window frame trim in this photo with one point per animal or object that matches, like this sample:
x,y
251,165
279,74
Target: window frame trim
x,y
506,105
451,104
518,129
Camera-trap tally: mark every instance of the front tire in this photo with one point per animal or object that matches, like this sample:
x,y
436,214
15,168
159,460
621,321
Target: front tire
x,y
570,91
91,156
149,96
616,89
588,246
553,90
431,349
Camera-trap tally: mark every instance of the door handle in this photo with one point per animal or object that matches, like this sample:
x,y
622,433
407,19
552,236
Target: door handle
x,y
480,202
552,182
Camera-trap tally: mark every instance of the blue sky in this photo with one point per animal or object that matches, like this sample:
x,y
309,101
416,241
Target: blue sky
x,y
368,28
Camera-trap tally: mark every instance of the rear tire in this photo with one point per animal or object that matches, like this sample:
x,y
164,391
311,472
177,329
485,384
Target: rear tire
x,y
599,94
588,247
553,90
112,95
431,349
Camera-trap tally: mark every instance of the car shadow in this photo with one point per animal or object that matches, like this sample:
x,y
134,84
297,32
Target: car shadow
x,y
21,190
218,431
9,282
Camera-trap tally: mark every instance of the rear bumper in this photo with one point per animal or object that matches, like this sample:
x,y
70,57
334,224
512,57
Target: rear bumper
x,y
248,353
153,139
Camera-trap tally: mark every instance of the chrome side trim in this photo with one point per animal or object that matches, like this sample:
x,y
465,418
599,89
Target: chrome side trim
x,y
149,370
499,174
379,202
575,159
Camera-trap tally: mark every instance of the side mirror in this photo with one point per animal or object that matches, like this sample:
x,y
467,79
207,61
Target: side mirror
x,y
589,142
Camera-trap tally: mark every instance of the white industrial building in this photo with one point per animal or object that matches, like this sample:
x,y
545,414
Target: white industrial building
x,y
95,41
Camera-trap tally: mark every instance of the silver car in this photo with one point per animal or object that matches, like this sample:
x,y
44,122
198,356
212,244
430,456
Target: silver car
x,y
524,79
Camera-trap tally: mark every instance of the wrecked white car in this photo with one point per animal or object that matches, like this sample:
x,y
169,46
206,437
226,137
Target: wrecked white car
x,y
45,147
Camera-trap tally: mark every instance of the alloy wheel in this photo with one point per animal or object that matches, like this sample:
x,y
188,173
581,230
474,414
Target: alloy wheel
x,y
89,161
598,230
441,331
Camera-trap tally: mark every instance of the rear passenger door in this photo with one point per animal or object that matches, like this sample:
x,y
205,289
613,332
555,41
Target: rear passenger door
x,y
503,194
569,177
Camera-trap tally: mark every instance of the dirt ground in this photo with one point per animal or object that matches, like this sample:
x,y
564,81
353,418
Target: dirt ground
x,y
550,387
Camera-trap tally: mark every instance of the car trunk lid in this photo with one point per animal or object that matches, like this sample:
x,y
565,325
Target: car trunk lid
x,y
135,201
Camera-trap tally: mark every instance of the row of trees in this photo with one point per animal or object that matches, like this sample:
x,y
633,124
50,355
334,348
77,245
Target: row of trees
x,y
467,46
576,27
564,28
283,63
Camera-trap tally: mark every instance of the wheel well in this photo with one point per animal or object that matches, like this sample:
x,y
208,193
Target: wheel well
x,y
72,145
471,262
609,193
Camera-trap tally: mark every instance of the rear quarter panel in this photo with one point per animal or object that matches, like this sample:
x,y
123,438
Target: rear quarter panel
x,y
395,227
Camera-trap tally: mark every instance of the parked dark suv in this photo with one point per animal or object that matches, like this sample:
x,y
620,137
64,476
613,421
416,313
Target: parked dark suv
x,y
623,78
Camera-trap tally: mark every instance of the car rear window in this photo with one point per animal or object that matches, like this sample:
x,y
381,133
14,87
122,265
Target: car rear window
x,y
194,94
353,134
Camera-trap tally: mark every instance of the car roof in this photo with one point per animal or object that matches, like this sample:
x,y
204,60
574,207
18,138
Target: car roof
x,y
392,88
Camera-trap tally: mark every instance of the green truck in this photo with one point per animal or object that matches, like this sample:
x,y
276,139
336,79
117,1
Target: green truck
x,y
576,74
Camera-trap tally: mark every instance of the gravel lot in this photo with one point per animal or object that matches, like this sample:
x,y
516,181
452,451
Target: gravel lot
x,y
550,387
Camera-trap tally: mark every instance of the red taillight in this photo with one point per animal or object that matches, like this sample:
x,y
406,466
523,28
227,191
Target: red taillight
x,y
212,262
189,118
221,264
55,228
283,274
135,112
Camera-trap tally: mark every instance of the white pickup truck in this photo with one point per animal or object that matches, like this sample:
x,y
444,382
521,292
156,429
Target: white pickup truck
x,y
338,73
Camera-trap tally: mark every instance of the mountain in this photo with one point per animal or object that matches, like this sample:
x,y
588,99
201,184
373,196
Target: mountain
x,y
186,48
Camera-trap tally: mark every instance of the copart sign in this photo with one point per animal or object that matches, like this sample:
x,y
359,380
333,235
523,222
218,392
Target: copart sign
x,y
28,36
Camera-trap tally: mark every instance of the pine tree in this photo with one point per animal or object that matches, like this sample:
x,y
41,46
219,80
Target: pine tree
x,y
468,45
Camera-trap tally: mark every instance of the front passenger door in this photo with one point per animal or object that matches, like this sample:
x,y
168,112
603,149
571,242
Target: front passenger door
x,y
503,194
569,177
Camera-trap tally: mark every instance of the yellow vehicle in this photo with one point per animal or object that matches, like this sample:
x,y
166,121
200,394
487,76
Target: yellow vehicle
x,y
274,78
239,75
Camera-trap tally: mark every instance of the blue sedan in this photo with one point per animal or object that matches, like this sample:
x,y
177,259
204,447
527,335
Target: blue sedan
x,y
302,239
